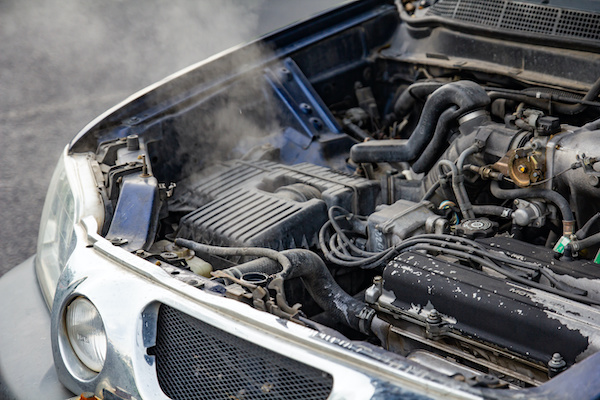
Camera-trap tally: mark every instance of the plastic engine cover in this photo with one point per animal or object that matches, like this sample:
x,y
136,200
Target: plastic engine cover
x,y
264,204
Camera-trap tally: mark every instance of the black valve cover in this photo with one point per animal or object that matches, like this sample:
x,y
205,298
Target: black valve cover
x,y
493,310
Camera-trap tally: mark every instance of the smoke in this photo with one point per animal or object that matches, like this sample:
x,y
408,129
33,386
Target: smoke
x,y
63,62
73,51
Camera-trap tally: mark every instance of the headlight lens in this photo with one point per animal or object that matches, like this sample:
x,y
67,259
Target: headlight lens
x,y
57,237
86,333
72,195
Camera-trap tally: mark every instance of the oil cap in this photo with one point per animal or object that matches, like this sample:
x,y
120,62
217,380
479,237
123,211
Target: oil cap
x,y
477,228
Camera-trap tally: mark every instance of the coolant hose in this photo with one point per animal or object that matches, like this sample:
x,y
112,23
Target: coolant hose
x,y
326,292
237,251
317,279
466,95
303,264
418,90
528,193
587,242
432,152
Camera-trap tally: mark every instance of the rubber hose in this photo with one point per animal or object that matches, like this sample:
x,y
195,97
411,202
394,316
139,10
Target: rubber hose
x,y
557,106
584,230
498,211
432,152
587,242
407,99
528,193
466,95
238,251
318,281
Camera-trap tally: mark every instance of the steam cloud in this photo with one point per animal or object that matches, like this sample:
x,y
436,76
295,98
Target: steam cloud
x,y
63,63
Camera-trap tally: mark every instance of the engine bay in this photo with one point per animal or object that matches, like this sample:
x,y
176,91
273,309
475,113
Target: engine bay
x,y
449,215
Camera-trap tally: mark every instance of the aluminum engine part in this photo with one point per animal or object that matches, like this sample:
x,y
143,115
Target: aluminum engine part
x,y
565,149
389,225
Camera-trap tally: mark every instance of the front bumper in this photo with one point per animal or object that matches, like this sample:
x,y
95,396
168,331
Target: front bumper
x,y
26,364
127,291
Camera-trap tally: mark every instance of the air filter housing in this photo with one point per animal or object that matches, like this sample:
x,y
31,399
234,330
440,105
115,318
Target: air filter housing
x,y
264,204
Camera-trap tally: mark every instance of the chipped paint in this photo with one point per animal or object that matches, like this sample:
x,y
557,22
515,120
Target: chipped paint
x,y
573,315
592,286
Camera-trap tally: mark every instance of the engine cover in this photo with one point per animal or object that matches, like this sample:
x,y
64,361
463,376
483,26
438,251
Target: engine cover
x,y
265,204
486,311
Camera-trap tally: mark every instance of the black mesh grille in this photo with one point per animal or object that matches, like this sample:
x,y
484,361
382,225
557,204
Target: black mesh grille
x,y
522,17
529,18
195,360
481,11
585,25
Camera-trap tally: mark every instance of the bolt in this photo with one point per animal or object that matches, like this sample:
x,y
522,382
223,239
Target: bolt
x,y
286,73
556,365
557,361
118,241
144,173
522,169
516,202
377,280
169,255
434,317
316,123
306,108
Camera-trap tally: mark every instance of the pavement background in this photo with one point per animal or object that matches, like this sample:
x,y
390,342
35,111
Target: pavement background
x,y
63,62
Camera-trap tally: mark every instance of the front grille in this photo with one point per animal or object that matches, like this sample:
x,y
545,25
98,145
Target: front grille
x,y
195,360
521,17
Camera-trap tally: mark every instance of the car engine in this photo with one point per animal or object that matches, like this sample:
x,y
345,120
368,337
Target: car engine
x,y
451,217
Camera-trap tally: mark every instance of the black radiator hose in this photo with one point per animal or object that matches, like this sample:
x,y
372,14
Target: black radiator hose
x,y
407,99
466,95
319,283
303,264
431,154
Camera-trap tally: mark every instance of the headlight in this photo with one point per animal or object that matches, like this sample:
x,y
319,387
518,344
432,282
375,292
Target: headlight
x,y
86,334
72,194
57,239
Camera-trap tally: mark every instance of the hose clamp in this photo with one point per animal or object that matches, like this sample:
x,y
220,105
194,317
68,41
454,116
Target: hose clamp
x,y
365,316
471,115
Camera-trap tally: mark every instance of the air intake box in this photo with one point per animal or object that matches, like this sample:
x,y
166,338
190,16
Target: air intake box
x,y
266,204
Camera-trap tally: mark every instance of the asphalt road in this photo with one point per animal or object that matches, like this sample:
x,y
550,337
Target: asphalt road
x,y
64,62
